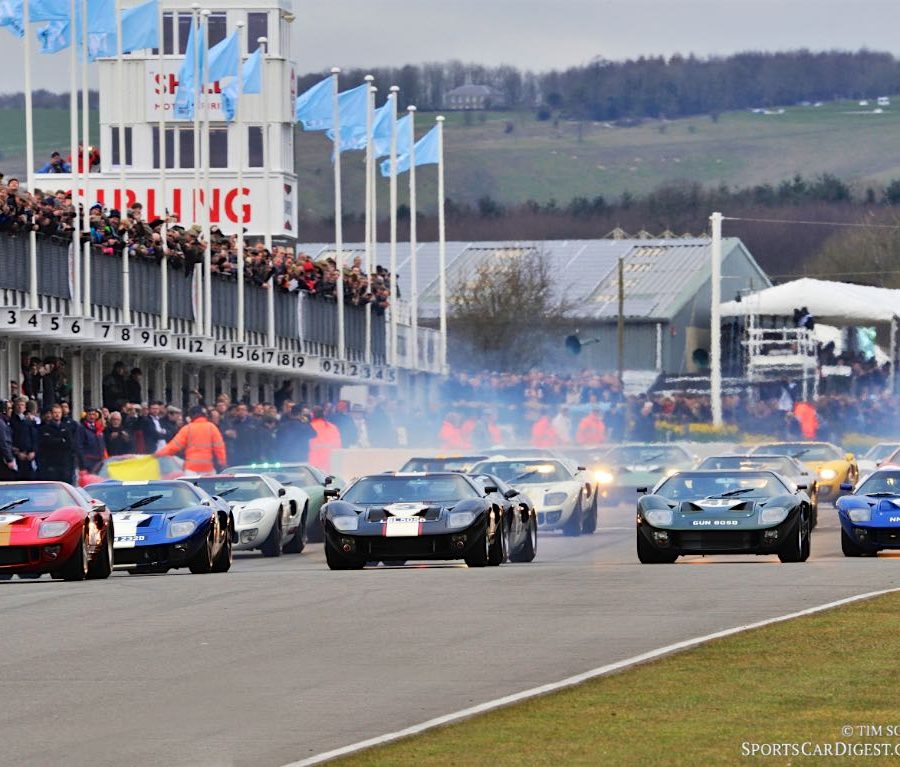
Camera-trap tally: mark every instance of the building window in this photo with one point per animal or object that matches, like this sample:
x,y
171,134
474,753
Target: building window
x,y
218,148
167,34
257,26
217,29
255,146
184,30
115,146
186,148
170,147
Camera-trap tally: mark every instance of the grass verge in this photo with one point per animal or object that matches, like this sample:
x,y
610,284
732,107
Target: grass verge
x,y
794,682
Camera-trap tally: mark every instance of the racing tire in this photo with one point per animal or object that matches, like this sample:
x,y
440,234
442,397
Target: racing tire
x,y
314,532
338,561
202,562
479,555
498,549
76,569
796,548
102,565
271,546
849,547
573,527
589,523
647,555
223,560
528,549
296,544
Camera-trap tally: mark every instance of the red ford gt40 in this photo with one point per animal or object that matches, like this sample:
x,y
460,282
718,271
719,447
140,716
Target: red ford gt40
x,y
50,527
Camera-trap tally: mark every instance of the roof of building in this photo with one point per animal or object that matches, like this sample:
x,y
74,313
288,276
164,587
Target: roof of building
x,y
661,275
472,90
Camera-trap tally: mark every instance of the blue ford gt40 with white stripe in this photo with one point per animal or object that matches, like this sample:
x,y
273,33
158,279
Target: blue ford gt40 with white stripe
x,y
870,517
163,525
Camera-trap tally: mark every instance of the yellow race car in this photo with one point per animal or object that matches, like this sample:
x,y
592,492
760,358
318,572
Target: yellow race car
x,y
832,465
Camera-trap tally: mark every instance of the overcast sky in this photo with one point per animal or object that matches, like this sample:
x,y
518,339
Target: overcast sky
x,y
544,34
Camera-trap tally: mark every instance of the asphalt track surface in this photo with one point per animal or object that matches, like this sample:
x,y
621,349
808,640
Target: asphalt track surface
x,y
282,659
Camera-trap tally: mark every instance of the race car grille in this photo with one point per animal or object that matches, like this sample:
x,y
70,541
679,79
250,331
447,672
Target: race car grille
x,y
718,540
887,536
16,555
429,515
406,547
142,555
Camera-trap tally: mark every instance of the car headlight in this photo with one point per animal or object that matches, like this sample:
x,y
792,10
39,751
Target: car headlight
x,y
461,519
249,516
860,514
659,517
603,477
827,474
180,529
773,516
52,529
555,499
345,523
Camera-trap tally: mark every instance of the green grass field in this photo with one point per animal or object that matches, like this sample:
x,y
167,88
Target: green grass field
x,y
794,682
512,157
51,132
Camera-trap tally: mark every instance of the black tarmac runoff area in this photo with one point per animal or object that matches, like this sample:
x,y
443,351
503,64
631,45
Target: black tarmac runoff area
x,y
281,659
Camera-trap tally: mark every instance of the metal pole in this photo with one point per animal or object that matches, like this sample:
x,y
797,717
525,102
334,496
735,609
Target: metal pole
x,y
267,154
77,203
163,191
370,162
893,355
85,168
338,216
123,203
715,329
620,324
393,199
33,300
195,213
413,259
442,247
207,206
241,138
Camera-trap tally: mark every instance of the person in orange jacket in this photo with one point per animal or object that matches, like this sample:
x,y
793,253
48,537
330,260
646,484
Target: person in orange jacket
x,y
543,434
451,436
328,438
591,430
805,413
200,441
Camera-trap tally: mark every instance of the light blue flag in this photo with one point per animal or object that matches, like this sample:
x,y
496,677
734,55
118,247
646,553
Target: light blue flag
x,y
354,107
353,139
426,154
140,27
101,22
223,58
251,73
313,108
193,58
404,142
49,10
11,16
54,37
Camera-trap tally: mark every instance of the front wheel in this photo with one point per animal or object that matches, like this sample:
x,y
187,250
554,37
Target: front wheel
x,y
648,555
849,547
338,561
296,544
480,553
528,549
589,524
271,546
76,569
574,526
498,549
796,548
102,566
202,561
225,557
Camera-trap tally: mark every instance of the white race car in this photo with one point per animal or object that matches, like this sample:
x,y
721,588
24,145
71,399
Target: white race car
x,y
563,496
268,516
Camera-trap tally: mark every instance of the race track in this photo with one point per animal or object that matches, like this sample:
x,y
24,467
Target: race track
x,y
282,659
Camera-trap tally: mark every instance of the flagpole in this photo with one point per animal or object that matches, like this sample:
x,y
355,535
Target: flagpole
x,y
75,298
267,233
195,28
240,184
163,191
413,244
338,215
33,300
442,248
123,207
207,207
374,259
370,117
393,199
85,168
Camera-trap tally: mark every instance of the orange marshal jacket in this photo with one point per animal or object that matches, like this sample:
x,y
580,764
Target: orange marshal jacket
x,y
202,444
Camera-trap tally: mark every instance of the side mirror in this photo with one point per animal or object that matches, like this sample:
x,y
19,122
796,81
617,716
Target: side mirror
x,y
509,494
849,458
642,491
582,468
329,480
331,492
847,487
281,492
802,487
488,489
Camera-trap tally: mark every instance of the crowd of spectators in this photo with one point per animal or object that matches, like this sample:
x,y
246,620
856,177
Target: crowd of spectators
x,y
51,214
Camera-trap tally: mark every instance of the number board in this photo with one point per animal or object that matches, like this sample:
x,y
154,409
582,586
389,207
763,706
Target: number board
x,y
15,318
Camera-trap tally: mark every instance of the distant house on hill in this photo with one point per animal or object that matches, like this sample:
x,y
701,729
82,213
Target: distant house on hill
x,y
474,97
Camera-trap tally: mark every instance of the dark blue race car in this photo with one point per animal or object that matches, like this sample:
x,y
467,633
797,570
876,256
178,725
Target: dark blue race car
x,y
167,524
870,517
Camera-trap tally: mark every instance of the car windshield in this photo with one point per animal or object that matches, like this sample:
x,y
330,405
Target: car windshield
x,y
298,476
881,482
150,497
455,463
526,472
881,450
399,489
237,489
781,464
803,451
646,455
694,486
24,497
